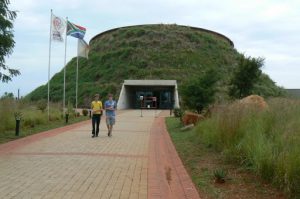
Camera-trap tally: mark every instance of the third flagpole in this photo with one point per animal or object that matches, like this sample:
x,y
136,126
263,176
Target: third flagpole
x,y
49,63
64,97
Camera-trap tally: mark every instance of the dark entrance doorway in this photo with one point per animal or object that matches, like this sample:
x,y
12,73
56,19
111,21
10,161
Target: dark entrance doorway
x,y
153,97
155,94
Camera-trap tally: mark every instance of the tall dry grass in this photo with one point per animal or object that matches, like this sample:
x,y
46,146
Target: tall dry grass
x,y
31,116
7,109
267,142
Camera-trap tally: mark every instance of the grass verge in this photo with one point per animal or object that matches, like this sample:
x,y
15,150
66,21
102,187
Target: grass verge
x,y
201,161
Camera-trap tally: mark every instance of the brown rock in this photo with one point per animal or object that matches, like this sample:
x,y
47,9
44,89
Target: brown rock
x,y
254,100
191,118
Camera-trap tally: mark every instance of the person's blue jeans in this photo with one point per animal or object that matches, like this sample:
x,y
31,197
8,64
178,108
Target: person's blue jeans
x,y
96,123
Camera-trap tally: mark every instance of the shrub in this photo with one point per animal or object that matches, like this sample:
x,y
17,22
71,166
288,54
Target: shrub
x,y
245,75
220,175
198,92
178,112
85,112
42,105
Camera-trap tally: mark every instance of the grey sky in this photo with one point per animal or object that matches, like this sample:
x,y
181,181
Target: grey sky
x,y
265,28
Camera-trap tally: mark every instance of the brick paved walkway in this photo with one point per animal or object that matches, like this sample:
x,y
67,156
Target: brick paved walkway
x,y
68,163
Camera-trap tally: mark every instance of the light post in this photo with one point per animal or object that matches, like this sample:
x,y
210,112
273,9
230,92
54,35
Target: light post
x,y
18,116
141,99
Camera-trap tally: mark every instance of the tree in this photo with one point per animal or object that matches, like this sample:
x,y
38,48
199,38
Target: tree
x,y
197,93
7,95
245,76
6,40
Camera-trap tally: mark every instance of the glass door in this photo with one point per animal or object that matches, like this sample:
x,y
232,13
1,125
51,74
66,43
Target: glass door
x,y
165,100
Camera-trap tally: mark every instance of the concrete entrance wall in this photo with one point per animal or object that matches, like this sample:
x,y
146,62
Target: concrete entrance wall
x,y
126,95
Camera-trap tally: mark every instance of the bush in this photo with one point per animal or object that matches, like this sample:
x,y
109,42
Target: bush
x,y
267,142
198,92
178,112
85,112
42,105
245,75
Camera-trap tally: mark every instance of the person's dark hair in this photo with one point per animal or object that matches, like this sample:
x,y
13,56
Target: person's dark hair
x,y
110,95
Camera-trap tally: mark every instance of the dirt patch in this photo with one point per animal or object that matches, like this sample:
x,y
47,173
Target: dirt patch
x,y
168,174
239,183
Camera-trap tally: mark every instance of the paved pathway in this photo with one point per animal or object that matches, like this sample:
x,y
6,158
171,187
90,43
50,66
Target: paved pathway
x,y
68,163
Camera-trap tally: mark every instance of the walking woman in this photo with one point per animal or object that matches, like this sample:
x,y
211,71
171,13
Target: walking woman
x,y
97,109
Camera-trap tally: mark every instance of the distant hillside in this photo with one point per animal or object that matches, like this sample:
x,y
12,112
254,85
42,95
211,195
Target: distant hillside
x,y
294,93
147,52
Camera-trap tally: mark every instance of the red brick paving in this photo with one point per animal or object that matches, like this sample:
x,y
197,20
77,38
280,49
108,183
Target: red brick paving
x,y
113,155
12,145
167,177
164,174
68,163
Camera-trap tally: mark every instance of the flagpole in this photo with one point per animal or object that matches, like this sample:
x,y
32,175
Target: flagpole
x,y
77,75
64,97
49,66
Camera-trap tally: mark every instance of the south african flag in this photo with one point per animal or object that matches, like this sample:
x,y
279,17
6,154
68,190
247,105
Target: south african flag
x,y
75,30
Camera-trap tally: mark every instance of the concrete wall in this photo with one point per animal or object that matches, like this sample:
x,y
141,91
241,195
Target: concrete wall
x,y
176,97
123,102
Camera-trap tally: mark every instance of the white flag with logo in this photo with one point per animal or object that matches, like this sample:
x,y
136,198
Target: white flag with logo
x,y
83,48
58,28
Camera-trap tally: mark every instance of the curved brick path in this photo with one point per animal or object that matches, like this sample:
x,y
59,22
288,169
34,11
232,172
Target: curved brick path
x,y
68,163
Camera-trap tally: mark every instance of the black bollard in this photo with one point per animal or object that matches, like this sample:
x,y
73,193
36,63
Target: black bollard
x,y
17,127
67,117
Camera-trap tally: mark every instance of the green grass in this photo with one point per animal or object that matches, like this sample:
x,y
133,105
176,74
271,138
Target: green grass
x,y
202,161
32,119
192,152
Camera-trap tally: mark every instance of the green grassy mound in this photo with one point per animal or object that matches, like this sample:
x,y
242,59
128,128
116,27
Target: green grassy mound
x,y
146,52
